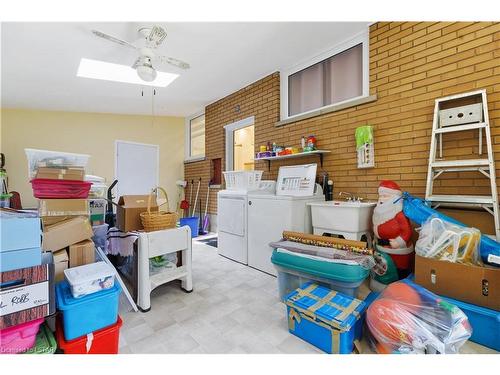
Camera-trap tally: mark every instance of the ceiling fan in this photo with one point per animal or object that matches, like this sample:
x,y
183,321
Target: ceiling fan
x,y
153,37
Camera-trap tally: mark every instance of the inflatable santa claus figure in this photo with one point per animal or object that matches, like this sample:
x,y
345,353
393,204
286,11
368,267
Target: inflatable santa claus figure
x,y
393,233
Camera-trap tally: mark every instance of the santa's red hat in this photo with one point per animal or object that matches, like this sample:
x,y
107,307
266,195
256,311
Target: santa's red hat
x,y
389,187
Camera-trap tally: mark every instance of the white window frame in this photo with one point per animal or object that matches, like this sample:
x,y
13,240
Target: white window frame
x,y
360,38
229,129
187,138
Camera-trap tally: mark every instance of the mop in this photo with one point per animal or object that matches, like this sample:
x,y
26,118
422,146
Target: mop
x,y
187,204
196,199
206,219
183,203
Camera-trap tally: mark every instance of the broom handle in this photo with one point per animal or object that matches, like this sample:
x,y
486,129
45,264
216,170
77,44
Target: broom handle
x,y
206,203
191,194
196,199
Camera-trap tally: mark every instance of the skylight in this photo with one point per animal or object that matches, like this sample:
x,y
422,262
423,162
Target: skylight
x,y
120,73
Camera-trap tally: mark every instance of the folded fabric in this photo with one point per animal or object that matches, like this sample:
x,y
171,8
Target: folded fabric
x,y
325,253
121,243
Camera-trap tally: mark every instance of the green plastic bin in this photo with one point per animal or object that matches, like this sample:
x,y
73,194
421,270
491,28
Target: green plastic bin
x,y
45,342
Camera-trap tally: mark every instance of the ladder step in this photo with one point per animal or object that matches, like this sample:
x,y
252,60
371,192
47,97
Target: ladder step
x,y
477,199
460,163
461,128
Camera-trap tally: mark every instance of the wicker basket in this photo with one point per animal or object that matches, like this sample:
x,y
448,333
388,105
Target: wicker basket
x,y
152,221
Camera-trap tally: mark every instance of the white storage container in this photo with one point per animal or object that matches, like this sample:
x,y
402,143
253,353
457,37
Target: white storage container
x,y
46,158
98,190
461,115
90,278
242,180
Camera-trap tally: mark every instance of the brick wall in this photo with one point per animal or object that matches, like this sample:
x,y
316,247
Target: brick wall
x,y
411,64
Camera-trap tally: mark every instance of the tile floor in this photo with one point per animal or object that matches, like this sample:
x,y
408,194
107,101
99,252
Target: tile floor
x,y
232,309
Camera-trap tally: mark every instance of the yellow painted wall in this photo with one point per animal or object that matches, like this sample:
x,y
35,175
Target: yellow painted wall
x,y
88,133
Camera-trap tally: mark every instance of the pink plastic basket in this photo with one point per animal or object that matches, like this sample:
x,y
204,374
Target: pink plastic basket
x,y
18,339
47,188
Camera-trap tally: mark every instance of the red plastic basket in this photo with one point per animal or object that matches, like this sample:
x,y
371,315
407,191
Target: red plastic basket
x,y
103,341
47,188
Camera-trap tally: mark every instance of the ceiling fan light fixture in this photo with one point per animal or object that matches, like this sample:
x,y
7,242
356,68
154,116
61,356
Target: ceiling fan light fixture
x,y
106,71
146,73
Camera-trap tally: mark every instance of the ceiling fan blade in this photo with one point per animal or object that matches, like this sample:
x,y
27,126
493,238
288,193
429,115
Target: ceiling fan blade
x,y
113,39
172,61
156,36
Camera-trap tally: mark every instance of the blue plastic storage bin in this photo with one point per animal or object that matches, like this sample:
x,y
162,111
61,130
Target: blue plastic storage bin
x,y
192,222
327,319
295,270
87,314
485,323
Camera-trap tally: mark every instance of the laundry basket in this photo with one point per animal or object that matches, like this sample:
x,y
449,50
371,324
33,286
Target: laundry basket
x,y
242,180
153,221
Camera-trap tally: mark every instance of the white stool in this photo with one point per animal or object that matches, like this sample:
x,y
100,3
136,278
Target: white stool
x,y
152,244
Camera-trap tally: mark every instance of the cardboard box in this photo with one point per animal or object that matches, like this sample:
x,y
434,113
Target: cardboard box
x,y
129,210
477,285
66,233
81,253
60,264
69,173
479,219
28,293
53,211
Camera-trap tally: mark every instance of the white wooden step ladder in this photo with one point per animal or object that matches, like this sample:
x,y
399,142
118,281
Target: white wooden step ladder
x,y
457,119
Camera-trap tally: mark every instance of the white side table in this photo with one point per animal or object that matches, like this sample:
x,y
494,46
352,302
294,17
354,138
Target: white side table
x,y
152,244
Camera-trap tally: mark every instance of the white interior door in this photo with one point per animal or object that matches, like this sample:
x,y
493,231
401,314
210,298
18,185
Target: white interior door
x,y
229,130
136,167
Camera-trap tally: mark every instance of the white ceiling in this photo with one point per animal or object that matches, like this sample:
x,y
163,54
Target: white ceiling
x,y
39,62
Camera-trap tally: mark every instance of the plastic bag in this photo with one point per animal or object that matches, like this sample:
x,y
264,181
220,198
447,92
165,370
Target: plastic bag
x,y
406,318
160,263
443,240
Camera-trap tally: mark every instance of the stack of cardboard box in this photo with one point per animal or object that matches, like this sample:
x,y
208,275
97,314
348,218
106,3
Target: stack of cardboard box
x,y
66,226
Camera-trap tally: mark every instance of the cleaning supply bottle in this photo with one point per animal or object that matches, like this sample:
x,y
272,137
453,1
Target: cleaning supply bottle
x,y
329,196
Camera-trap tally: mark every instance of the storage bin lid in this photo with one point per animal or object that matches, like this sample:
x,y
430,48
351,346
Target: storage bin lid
x,y
333,308
65,299
347,273
88,272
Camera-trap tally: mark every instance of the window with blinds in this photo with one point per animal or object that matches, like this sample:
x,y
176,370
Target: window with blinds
x,y
330,81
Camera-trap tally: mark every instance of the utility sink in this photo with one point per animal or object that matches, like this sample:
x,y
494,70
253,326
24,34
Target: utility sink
x,y
350,219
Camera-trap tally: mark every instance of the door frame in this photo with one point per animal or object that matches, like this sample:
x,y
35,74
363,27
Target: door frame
x,y
117,141
229,133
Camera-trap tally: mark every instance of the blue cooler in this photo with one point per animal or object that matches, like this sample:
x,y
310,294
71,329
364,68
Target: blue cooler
x,y
485,323
89,313
325,318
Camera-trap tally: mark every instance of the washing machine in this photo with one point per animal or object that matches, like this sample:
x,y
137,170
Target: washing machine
x,y
232,221
268,215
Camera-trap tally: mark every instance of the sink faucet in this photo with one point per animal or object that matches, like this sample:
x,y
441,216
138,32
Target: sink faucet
x,y
349,196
